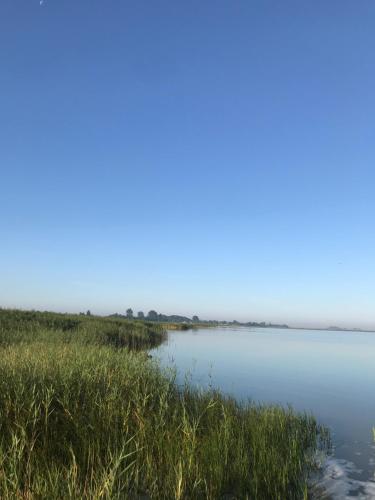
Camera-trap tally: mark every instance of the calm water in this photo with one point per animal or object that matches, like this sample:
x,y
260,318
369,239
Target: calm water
x,y
331,374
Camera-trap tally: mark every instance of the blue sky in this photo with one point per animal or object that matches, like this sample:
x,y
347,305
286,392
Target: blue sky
x,y
213,158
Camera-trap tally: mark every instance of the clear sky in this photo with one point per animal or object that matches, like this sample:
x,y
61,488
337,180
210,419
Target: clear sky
x,y
196,157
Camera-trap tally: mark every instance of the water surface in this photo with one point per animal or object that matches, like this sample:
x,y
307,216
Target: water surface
x,y
329,373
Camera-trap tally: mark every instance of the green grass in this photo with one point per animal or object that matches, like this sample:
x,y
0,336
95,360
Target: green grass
x,y
31,326
81,418
188,326
178,326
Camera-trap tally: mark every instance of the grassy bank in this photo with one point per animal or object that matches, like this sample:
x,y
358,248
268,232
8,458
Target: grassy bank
x,y
32,326
81,418
188,326
177,326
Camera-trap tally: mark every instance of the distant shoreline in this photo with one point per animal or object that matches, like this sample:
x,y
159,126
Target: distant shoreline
x,y
332,329
287,327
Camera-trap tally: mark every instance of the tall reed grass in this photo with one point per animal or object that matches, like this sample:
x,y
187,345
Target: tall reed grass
x,y
31,326
81,419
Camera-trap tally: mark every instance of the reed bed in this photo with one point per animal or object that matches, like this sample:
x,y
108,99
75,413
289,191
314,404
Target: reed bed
x,y
82,419
32,326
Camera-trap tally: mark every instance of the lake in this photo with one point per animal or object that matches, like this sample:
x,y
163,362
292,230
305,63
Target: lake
x,y
328,373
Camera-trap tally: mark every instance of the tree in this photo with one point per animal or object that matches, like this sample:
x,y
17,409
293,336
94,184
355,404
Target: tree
x,y
141,315
152,315
195,319
88,313
129,313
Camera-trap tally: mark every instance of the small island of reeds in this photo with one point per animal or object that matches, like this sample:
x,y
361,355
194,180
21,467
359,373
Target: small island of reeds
x,y
85,414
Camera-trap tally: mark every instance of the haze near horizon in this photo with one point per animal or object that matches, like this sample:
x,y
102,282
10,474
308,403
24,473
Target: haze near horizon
x,y
209,158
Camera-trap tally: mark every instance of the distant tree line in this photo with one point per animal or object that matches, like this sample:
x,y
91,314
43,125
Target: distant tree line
x,y
176,318
155,316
